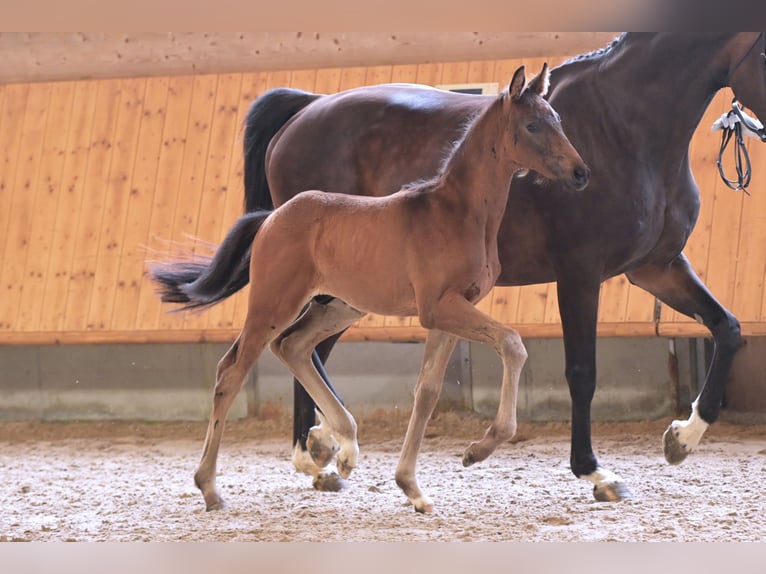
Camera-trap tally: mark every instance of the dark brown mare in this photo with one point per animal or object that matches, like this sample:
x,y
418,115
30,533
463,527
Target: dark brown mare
x,y
439,258
630,109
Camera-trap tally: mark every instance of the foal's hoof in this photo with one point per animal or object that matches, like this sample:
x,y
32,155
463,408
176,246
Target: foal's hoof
x,y
345,467
423,505
612,492
214,502
675,451
329,482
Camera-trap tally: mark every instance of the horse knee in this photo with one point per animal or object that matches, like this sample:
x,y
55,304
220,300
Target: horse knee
x,y
512,348
582,382
728,334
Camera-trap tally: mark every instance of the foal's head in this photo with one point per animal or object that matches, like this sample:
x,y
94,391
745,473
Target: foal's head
x,y
535,134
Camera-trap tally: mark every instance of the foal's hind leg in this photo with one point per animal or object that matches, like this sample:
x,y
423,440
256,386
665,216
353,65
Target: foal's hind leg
x,y
438,349
264,319
295,347
677,285
231,372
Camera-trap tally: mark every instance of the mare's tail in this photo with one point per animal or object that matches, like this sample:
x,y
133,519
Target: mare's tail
x,y
205,281
265,118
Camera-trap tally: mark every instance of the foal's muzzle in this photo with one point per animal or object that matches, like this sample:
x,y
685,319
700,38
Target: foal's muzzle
x,y
580,177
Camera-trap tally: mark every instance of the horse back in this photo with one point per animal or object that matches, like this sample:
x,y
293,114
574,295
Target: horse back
x,y
368,141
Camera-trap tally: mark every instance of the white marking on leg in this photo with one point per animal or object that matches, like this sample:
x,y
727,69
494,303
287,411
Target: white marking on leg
x,y
303,462
690,431
602,477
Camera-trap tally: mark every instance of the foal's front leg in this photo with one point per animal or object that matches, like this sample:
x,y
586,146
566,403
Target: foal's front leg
x,y
454,314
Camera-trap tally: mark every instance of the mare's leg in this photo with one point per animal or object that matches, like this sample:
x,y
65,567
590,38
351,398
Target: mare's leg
x,y
438,349
295,347
677,285
578,304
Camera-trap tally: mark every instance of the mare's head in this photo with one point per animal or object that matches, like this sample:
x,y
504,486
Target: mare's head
x,y
536,136
745,59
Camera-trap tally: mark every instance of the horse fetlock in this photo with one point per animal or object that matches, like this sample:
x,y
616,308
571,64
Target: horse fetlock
x,y
213,500
673,446
682,437
608,486
321,446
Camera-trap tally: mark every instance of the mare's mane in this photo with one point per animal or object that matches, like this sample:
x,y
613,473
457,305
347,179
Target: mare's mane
x,y
599,52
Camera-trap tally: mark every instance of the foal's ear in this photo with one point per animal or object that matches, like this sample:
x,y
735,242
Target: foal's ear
x,y
539,84
516,87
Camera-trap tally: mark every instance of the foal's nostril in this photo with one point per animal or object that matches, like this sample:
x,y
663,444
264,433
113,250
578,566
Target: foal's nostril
x,y
581,175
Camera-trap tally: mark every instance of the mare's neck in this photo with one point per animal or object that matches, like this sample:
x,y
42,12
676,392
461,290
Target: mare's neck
x,y
652,90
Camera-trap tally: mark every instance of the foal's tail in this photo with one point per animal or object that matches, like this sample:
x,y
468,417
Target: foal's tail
x,y
265,118
205,281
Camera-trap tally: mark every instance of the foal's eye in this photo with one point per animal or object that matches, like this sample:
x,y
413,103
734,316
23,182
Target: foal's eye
x,y
533,128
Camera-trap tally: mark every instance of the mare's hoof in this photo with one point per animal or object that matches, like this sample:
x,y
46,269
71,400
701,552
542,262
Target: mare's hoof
x,y
329,482
675,451
612,492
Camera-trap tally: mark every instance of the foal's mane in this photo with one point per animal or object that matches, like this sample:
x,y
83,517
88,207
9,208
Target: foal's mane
x,y
450,151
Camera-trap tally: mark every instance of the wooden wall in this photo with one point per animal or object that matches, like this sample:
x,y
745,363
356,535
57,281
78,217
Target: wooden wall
x,y
96,174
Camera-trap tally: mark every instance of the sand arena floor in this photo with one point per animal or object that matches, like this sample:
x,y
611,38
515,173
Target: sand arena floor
x,y
104,481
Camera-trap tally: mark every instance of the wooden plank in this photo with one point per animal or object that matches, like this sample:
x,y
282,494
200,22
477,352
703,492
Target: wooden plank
x,y
139,206
352,78
404,74
88,227
124,151
505,304
482,72
52,159
189,189
640,306
327,81
22,205
504,70
379,75
454,73
71,191
430,74
166,189
378,334
12,120
748,289
216,184
303,80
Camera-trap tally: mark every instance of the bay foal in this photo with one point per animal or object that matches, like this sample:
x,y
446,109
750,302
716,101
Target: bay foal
x,y
429,250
